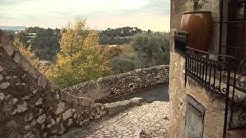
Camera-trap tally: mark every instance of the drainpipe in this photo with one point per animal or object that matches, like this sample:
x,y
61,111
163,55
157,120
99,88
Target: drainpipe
x,y
221,5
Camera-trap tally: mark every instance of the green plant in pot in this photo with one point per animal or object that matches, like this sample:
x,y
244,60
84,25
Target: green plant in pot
x,y
198,4
199,26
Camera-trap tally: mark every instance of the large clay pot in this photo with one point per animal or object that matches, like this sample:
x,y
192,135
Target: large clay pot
x,y
199,27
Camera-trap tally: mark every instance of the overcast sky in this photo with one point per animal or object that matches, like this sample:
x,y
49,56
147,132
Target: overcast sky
x,y
100,14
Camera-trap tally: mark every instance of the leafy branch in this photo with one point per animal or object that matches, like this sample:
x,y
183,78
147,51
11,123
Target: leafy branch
x,y
198,4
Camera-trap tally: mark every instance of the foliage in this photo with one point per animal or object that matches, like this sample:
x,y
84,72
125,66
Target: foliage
x,y
198,4
111,52
122,32
119,36
31,57
26,52
44,42
124,63
152,48
122,58
10,34
80,58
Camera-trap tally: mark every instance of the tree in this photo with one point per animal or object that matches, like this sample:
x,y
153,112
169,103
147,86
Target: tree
x,y
45,44
122,64
79,59
10,34
118,36
152,48
26,52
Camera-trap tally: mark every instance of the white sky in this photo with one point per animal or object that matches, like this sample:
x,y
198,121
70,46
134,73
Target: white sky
x,y
100,14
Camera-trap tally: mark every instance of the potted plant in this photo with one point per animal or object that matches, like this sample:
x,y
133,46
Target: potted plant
x,y
199,26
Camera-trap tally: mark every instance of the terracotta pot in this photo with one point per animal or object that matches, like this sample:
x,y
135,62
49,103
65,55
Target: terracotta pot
x,y
199,27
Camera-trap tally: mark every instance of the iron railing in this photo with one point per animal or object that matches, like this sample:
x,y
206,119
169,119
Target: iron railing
x,y
208,72
237,117
218,74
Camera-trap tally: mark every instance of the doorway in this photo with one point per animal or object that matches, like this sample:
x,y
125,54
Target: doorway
x,y
236,27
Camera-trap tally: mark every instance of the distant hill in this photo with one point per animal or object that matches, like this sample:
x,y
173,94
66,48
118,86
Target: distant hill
x,y
15,28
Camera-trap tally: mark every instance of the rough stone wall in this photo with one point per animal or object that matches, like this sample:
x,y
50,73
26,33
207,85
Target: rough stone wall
x,y
177,94
177,89
108,88
30,106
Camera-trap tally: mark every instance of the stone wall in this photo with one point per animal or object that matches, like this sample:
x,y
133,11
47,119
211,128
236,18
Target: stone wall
x,y
30,106
111,87
177,89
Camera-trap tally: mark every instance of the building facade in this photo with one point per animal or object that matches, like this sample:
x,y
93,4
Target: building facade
x,y
208,88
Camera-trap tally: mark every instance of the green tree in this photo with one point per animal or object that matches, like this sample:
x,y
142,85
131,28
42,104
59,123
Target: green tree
x,y
79,59
152,48
45,44
122,64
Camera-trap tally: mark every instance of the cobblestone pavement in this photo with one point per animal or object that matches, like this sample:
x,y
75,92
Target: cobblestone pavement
x,y
149,120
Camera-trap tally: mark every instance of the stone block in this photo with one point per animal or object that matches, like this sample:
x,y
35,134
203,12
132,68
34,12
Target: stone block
x,y
33,72
1,77
27,127
28,117
12,124
85,101
14,100
1,96
39,101
62,130
9,49
68,114
45,134
60,108
58,119
63,95
22,107
42,81
17,57
4,85
75,99
70,122
8,77
68,97
24,64
1,68
41,119
29,135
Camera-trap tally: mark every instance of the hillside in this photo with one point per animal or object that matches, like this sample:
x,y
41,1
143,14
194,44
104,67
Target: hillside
x,y
15,28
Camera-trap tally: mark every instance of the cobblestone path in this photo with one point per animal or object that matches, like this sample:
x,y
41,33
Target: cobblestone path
x,y
150,119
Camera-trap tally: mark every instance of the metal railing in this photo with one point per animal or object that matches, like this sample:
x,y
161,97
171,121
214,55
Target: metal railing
x,y
209,72
219,74
237,117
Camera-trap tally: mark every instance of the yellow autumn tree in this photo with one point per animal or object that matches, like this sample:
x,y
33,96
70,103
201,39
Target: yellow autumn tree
x,y
26,52
30,56
80,58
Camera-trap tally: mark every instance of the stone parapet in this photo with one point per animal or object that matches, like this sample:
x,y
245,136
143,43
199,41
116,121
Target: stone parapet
x,y
108,88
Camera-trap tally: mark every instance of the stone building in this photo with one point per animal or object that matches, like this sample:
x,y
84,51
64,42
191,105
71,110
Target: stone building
x,y
207,88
